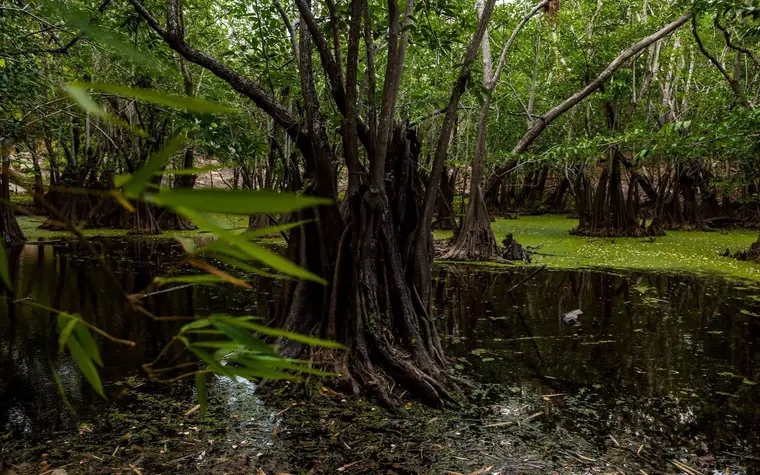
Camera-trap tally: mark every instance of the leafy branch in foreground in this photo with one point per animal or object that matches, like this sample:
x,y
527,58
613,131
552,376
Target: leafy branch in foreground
x,y
224,345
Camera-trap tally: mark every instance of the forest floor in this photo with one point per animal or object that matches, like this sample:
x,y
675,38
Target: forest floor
x,y
324,431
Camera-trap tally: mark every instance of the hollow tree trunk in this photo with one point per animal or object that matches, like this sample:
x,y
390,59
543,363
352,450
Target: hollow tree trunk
x,y
9,228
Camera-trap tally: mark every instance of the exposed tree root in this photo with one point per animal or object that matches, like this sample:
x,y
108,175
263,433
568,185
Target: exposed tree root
x,y
475,240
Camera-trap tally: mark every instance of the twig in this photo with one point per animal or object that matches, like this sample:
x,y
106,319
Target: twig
x,y
533,274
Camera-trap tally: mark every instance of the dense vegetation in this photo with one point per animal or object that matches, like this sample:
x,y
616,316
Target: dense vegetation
x,y
637,117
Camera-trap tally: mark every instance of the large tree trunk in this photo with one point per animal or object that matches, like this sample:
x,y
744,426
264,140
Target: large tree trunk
x,y
377,262
475,239
9,228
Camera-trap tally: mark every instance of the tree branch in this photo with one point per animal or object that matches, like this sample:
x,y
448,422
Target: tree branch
x,y
735,46
543,122
237,81
735,86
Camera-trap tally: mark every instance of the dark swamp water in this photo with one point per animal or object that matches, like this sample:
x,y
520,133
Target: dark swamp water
x,y
658,370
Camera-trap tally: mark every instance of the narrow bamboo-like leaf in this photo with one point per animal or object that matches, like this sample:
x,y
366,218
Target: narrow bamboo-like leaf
x,y
260,372
203,355
274,229
244,266
195,171
84,338
139,181
81,97
203,323
230,279
112,39
242,202
190,104
240,336
5,274
253,251
299,366
122,201
200,388
219,345
84,100
279,333
188,244
86,366
196,279
61,390
68,327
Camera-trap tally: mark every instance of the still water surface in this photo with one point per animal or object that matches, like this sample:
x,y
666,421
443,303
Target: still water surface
x,y
668,360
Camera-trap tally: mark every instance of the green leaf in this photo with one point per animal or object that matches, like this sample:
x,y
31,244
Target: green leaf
x,y
278,228
219,345
81,97
196,279
84,338
207,358
234,331
186,103
84,100
200,388
68,327
300,366
244,266
140,180
260,372
5,274
195,171
61,390
243,202
252,251
85,365
276,332
112,39
204,323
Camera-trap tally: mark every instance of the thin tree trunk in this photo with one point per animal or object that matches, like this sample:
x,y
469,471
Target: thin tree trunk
x,y
9,228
